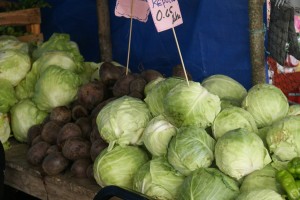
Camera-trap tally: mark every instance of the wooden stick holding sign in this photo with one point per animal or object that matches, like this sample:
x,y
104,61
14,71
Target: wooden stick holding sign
x,y
133,9
166,15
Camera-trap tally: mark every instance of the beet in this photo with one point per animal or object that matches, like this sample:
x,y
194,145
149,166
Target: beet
x,y
150,75
138,85
37,153
85,126
76,148
55,163
95,135
91,94
79,111
90,172
136,94
177,71
36,140
121,86
33,132
61,114
52,149
97,147
79,168
109,73
50,131
69,130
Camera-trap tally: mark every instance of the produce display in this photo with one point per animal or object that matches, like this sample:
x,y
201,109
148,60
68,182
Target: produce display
x,y
161,136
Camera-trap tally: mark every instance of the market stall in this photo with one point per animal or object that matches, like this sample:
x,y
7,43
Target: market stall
x,y
156,114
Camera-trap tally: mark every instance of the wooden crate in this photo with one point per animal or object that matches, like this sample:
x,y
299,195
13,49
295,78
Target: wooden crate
x,y
31,18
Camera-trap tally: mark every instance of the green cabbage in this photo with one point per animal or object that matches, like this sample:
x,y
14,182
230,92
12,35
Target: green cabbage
x,y
226,88
265,194
266,103
294,109
158,179
192,104
25,114
9,42
208,184
119,165
261,179
190,149
123,121
155,97
7,96
239,152
233,118
4,128
14,66
56,87
283,138
157,135
152,84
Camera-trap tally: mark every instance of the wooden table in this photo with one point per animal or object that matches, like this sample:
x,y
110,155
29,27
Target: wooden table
x,y
22,176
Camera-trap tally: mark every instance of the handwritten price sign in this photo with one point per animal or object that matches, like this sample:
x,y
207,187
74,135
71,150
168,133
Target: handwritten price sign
x,y
137,9
165,13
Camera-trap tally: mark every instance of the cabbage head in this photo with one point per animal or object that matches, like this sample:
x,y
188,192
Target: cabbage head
x,y
14,66
152,84
265,194
7,96
157,135
119,165
4,128
208,184
56,87
264,178
123,121
266,103
233,118
226,88
9,42
158,179
294,109
283,138
25,89
191,104
191,148
240,152
155,96
23,115
60,42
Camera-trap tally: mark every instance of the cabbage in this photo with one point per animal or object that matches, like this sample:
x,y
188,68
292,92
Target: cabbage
x,y
123,121
158,179
155,97
25,114
261,179
283,138
233,118
190,149
56,87
191,104
208,184
262,133
266,103
9,42
294,109
4,128
119,165
90,72
60,42
7,96
157,135
25,89
14,66
152,84
226,88
240,152
265,194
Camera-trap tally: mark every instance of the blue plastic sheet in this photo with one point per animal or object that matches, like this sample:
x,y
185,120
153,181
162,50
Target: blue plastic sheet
x,y
214,37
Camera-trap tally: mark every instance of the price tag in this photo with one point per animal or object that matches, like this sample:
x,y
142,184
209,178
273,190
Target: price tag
x,y
136,9
165,13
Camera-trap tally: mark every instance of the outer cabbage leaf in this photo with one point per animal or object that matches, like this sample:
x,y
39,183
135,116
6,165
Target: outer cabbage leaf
x,y
240,152
190,149
4,127
7,96
119,165
192,104
158,179
294,109
265,194
266,103
9,42
208,184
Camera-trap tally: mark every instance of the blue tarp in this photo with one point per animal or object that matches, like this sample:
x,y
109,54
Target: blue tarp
x,y
214,38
